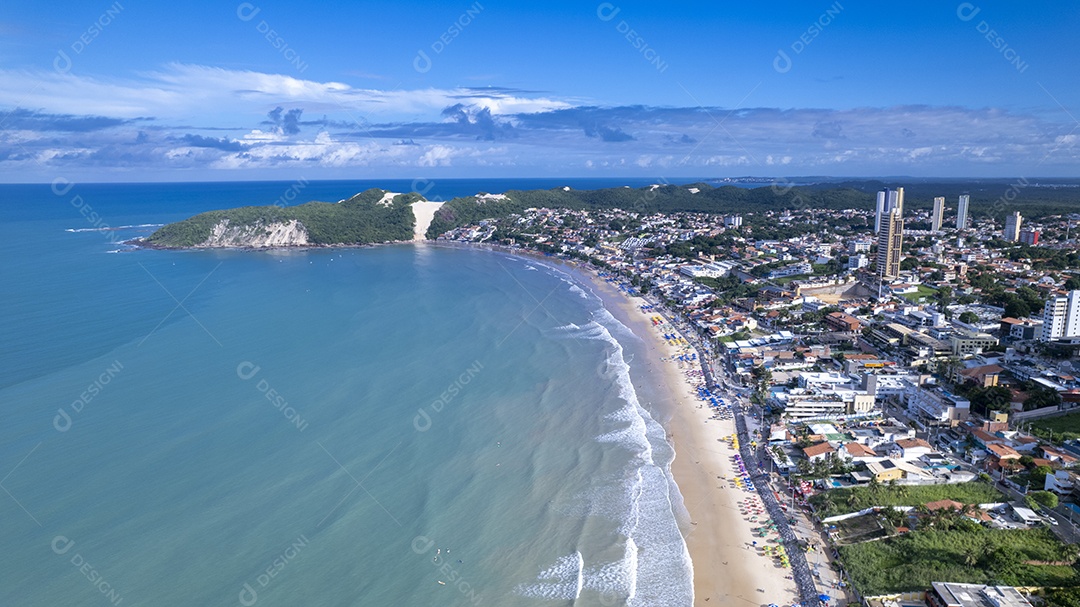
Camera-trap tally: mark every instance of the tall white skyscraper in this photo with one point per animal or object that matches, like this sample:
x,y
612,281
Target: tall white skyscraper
x,y
1012,227
939,213
887,200
891,237
1061,316
962,212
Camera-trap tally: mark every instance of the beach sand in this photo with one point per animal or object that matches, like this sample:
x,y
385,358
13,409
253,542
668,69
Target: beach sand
x,y
424,211
728,568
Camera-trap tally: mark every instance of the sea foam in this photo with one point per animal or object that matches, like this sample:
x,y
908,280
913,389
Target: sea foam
x,y
655,568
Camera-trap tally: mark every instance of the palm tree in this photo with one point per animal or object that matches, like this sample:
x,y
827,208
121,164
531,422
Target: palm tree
x,y
875,486
892,516
803,466
972,556
970,510
922,512
897,489
1070,552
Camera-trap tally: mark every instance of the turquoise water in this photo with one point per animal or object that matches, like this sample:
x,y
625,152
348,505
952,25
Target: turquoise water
x,y
331,427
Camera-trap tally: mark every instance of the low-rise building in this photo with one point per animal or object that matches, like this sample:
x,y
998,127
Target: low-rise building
x,y
1062,482
968,342
885,470
819,451
913,448
936,406
857,452
841,321
1002,457
947,594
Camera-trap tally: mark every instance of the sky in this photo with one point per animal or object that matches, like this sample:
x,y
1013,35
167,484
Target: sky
x,y
203,91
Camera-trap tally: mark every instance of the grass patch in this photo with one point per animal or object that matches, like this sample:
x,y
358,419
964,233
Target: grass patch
x,y
783,280
924,291
853,499
1064,427
974,556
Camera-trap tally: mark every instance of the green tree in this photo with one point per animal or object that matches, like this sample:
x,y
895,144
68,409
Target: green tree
x,y
943,297
892,516
1038,475
969,317
1017,308
762,380
948,367
985,399
1042,397
803,466
1046,498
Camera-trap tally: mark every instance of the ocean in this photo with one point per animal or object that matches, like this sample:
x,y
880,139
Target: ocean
x,y
395,425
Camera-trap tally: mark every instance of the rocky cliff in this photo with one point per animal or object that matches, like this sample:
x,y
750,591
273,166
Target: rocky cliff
x,y
278,234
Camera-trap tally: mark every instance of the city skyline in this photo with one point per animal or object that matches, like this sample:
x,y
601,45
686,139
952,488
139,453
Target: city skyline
x,y
263,90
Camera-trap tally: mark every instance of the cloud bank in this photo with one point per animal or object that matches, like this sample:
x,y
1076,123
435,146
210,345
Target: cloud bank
x,y
209,119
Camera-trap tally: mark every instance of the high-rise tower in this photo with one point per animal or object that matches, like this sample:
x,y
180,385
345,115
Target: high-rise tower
x,y
887,200
939,213
1012,227
891,238
962,212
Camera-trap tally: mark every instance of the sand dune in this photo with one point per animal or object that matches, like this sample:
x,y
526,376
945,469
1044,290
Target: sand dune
x,y
424,212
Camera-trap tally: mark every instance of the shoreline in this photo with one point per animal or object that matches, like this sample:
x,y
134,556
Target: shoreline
x,y
727,558
727,566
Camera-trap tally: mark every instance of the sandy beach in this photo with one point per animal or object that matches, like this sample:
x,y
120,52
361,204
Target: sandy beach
x,y
728,568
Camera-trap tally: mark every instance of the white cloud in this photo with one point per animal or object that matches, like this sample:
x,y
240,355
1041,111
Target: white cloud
x,y
437,155
187,92
70,120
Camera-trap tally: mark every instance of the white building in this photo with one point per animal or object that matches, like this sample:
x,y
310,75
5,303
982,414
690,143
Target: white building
x,y
856,262
891,239
936,406
800,403
859,246
1061,316
887,200
825,381
1011,232
962,212
1061,482
939,213
793,270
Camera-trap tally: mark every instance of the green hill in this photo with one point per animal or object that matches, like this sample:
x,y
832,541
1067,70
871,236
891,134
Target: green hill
x,y
356,221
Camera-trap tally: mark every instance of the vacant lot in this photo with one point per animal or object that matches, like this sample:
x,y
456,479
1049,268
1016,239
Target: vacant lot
x,y
853,499
1064,427
977,556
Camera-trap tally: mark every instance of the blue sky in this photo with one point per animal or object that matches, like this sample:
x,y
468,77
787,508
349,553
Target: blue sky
x,y
125,91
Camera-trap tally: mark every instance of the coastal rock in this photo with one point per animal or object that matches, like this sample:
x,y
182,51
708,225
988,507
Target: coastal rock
x,y
280,234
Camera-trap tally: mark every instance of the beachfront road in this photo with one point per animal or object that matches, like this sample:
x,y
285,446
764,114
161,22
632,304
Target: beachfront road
x,y
800,570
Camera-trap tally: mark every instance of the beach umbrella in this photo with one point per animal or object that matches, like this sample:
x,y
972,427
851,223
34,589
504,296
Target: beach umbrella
x,y
823,597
